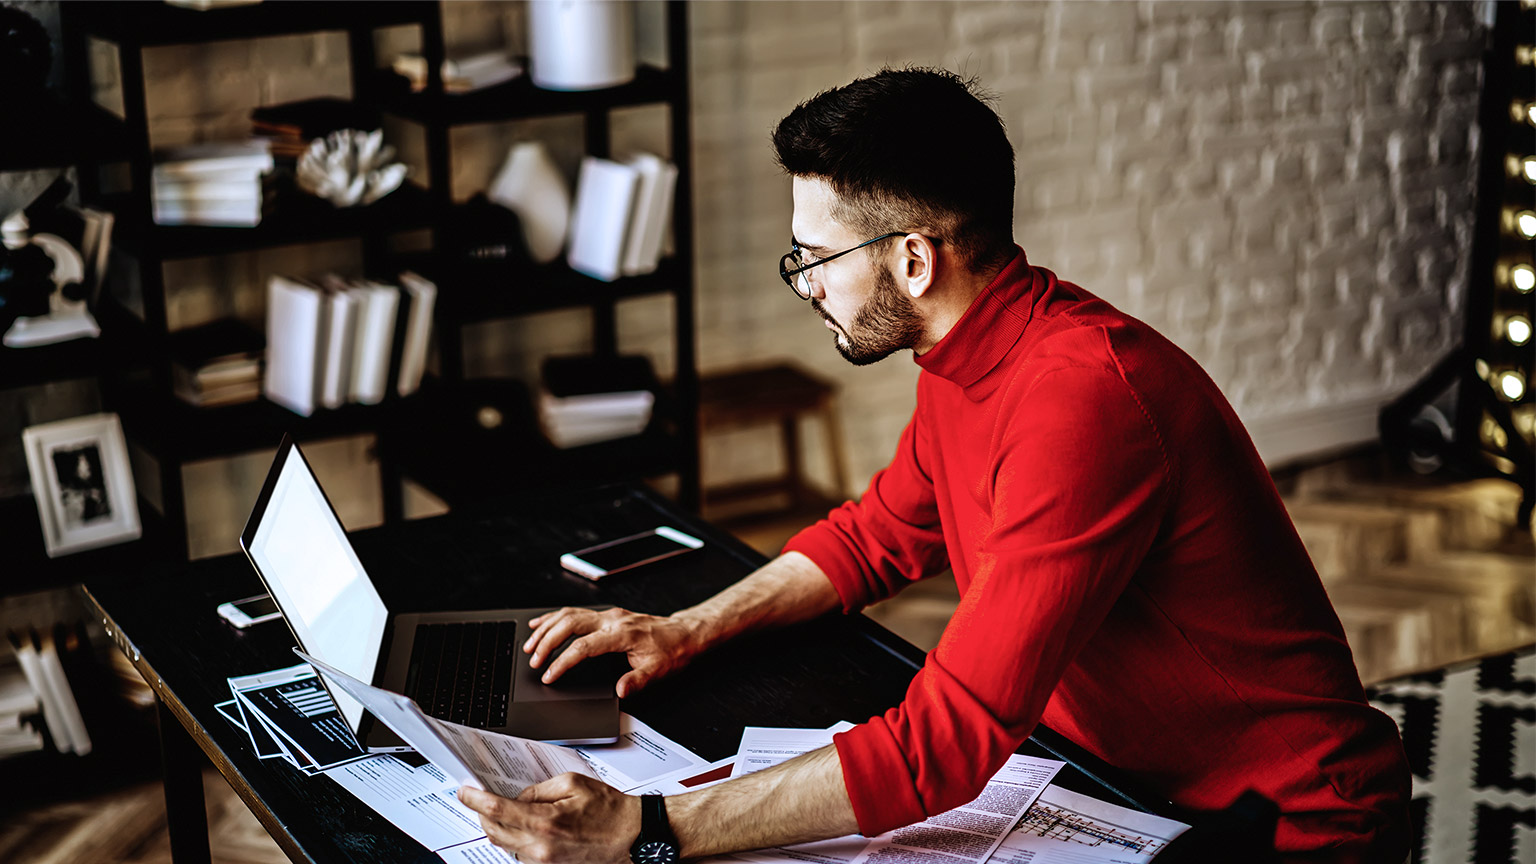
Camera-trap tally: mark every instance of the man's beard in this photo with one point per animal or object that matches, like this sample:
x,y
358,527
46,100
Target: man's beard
x,y
885,324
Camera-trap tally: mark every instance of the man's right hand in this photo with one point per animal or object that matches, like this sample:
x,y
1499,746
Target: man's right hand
x,y
655,646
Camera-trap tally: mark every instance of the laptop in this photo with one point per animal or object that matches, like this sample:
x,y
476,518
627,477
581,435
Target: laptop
x,y
465,667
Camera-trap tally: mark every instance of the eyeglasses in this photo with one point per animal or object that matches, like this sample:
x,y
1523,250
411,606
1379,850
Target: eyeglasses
x,y
792,268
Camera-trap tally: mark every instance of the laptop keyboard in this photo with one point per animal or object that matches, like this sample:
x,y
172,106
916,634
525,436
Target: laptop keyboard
x,y
462,672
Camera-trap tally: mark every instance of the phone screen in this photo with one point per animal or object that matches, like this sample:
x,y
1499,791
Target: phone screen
x,y
258,608
621,555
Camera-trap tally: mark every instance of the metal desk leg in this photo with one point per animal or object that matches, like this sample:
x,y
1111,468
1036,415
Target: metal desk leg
x,y
186,814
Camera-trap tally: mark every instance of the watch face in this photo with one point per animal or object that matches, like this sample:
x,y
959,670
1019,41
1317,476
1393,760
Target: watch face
x,y
655,852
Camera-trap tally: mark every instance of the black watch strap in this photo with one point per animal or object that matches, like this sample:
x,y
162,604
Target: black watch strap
x,y
656,843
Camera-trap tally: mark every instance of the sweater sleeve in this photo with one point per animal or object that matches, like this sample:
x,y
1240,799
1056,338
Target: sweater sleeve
x,y
1078,489
889,538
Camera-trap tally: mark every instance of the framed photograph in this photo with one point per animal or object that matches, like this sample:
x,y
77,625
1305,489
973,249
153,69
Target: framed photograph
x,y
82,483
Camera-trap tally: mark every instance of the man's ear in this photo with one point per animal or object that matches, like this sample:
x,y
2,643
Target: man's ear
x,y
919,264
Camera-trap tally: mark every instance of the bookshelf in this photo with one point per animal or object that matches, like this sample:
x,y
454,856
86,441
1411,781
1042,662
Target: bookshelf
x,y
131,360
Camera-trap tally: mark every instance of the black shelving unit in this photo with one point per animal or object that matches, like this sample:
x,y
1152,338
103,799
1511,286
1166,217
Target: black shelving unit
x,y
132,360
672,442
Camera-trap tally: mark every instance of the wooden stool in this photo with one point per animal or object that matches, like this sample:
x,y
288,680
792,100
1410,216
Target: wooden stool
x,y
773,394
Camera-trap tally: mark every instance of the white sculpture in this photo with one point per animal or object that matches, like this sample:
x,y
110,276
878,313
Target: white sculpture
x,y
350,167
531,186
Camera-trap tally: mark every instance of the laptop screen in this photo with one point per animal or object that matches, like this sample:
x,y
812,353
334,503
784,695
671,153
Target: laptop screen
x,y
303,555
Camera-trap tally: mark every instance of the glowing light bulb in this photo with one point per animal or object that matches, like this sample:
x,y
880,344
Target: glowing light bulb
x,y
1528,168
1525,222
1518,329
1523,277
1513,385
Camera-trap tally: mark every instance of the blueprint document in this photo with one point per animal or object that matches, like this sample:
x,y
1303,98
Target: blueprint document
x,y
1064,827
965,835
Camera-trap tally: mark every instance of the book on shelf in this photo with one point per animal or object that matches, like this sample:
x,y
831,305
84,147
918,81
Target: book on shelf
x,y
342,304
378,305
652,213
601,216
461,75
294,333
218,363
421,298
227,159
210,184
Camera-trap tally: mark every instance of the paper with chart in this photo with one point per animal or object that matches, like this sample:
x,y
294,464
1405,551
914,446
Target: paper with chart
x,y
1064,827
287,713
965,835
472,757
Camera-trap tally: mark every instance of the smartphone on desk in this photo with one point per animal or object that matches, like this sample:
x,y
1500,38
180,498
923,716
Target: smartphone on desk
x,y
595,562
250,610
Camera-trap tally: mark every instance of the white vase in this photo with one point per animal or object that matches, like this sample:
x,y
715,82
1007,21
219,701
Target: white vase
x,y
581,44
531,185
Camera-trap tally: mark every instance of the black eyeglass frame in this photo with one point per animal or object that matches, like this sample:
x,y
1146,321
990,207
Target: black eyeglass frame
x,y
789,275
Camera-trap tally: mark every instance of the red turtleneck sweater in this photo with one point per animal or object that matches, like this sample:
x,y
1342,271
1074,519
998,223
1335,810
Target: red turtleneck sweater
x,y
1127,575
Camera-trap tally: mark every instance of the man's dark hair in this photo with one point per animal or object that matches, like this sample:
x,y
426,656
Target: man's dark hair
x,y
909,150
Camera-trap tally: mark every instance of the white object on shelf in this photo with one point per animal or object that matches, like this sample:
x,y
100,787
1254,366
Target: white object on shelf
x,y
530,185
581,44
653,212
422,296
349,167
605,201
294,313
374,342
66,319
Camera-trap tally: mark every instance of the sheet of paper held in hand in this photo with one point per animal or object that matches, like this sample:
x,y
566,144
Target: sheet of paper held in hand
x,y
1064,827
965,835
422,801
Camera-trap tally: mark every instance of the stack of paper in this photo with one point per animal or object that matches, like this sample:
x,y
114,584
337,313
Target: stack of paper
x,y
211,184
620,216
335,342
290,716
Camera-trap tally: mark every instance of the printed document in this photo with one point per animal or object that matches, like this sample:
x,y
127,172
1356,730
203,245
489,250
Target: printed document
x,y
641,755
1064,827
965,835
475,758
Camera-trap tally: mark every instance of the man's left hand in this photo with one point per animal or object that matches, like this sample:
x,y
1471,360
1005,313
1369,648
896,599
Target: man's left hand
x,y
570,819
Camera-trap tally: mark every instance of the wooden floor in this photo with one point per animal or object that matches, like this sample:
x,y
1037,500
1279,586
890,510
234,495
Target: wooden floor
x,y
1422,572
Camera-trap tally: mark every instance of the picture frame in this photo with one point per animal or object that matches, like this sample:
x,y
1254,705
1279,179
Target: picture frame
x,y
82,483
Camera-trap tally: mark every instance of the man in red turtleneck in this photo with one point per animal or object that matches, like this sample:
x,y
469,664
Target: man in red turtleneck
x,y
1127,572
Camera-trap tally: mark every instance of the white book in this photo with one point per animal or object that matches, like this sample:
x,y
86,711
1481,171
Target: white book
x,y
32,668
245,188
232,214
418,331
216,157
16,694
653,212
600,219
374,341
64,696
294,314
340,330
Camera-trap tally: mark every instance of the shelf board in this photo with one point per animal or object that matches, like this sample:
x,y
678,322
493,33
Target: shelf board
x,y
163,24
65,361
173,430
518,99
293,219
469,294
55,136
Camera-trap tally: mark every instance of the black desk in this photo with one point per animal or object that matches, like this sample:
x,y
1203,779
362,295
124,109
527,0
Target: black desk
x,y
835,668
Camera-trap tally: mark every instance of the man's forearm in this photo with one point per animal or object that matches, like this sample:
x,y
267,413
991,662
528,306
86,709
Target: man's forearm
x,y
801,800
786,590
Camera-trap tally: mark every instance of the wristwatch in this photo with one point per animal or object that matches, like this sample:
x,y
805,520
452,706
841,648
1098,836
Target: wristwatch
x,y
656,843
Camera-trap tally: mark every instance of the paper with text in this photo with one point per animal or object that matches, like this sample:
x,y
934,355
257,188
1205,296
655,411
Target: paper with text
x,y
1064,827
763,746
639,756
472,757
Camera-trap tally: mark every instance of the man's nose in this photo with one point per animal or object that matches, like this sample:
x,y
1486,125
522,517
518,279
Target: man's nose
x,y
812,287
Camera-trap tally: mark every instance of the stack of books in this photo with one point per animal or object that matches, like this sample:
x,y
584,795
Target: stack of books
x,y
620,217
290,127
336,341
218,363
585,400
18,708
463,75
211,184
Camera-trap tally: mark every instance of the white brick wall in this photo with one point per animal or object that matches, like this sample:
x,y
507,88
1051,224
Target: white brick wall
x,y
1283,188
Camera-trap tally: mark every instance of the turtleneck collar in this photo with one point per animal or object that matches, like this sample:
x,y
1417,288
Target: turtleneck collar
x,y
987,331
